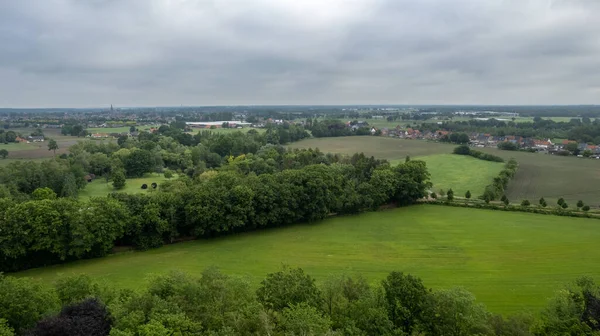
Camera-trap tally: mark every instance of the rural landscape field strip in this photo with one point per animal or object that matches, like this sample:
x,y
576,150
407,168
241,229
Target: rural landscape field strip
x,y
539,175
511,261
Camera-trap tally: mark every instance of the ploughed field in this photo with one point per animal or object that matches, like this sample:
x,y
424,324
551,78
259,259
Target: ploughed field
x,y
511,261
539,175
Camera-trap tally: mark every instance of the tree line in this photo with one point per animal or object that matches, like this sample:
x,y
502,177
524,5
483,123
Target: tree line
x,y
286,302
466,150
45,229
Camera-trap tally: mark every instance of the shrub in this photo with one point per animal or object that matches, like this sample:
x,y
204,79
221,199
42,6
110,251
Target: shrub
x,y
450,195
560,201
468,194
525,203
586,208
580,203
144,186
564,205
433,195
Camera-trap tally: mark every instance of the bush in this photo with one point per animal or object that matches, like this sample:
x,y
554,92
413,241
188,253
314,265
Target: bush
x,y
144,186
508,146
433,195
450,195
525,203
580,203
586,208
119,180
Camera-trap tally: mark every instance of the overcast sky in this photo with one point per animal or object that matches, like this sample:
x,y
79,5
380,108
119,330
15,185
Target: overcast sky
x,y
82,53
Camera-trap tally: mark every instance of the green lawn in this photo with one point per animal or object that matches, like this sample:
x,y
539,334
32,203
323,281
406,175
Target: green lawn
x,y
18,146
511,261
99,187
118,129
461,173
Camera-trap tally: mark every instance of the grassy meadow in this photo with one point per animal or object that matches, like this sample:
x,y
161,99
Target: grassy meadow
x,y
539,175
99,187
461,173
510,261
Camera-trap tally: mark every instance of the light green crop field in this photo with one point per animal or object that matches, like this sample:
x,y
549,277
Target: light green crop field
x,y
117,129
17,146
461,173
99,187
510,261
379,147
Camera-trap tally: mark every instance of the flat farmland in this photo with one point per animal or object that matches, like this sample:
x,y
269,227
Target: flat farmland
x,y
510,261
553,177
379,147
539,175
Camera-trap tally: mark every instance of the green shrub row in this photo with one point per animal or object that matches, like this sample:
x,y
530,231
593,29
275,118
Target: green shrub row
x,y
466,150
495,190
554,211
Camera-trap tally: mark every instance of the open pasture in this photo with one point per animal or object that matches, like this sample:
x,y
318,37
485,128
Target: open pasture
x,y
100,188
461,173
510,261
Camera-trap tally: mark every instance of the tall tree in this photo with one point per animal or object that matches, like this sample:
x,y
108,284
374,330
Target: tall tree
x,y
52,145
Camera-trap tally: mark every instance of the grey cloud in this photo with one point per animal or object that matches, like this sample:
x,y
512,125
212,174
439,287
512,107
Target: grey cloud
x,y
159,52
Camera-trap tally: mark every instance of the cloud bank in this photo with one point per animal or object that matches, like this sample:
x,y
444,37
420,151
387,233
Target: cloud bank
x,y
73,53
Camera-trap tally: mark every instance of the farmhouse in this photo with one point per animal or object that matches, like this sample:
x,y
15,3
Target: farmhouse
x,y
35,138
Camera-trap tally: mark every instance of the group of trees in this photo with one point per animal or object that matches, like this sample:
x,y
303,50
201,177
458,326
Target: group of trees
x,y
466,150
287,302
457,138
580,130
44,229
335,128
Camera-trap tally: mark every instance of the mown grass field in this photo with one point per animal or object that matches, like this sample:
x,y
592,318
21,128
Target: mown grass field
x,y
539,175
510,261
99,187
461,173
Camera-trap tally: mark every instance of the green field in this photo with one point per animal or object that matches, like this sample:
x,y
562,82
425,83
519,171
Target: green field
x,y
461,173
118,129
18,146
539,175
99,187
510,261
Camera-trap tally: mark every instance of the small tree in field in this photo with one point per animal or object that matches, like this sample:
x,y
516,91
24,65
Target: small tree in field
x,y
585,208
542,201
433,195
468,194
442,192
450,195
503,198
525,203
505,201
560,201
3,153
564,205
407,158
580,204
544,204
118,180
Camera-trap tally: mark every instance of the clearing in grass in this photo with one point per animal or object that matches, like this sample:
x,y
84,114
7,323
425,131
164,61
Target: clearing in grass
x,y
510,261
100,188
